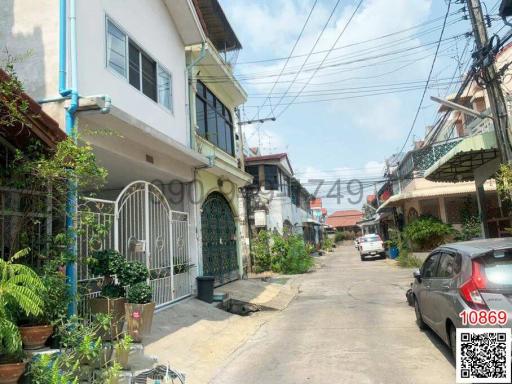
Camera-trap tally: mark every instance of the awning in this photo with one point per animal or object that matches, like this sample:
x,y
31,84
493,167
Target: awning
x,y
373,221
445,190
461,161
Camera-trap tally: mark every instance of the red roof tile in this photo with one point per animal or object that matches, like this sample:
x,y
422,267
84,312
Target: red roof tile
x,y
348,218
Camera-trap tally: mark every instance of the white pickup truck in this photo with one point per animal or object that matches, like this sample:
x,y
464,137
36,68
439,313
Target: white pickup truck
x,y
370,245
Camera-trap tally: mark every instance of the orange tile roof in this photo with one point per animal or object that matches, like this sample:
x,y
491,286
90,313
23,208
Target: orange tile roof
x,y
348,218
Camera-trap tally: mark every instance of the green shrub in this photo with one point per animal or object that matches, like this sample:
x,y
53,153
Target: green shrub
x,y
339,236
344,235
327,244
288,255
407,260
260,252
133,272
140,293
470,229
428,232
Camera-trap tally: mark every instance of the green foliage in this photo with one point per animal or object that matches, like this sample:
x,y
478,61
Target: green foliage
x,y
344,235
55,297
13,106
108,263
327,244
471,229
140,293
81,348
113,291
47,369
260,252
407,260
297,258
124,343
288,255
20,289
428,232
132,272
504,182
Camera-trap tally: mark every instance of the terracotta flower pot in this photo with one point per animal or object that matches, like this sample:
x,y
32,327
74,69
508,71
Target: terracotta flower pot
x,y
114,308
11,373
35,336
139,318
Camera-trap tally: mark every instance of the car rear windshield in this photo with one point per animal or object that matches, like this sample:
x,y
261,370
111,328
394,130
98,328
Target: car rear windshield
x,y
498,267
368,239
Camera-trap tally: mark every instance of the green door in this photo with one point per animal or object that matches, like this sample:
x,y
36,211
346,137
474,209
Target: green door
x,y
219,240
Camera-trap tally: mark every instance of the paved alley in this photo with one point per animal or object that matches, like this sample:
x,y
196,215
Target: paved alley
x,y
349,324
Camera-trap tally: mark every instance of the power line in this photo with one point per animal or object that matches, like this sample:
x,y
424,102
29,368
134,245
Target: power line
x,y
428,80
356,58
309,55
289,56
327,54
356,43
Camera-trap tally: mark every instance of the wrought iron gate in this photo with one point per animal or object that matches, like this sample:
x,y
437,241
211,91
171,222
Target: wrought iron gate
x,y
145,229
219,240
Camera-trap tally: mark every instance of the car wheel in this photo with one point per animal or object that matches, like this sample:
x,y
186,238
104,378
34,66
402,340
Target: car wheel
x,y
453,340
419,318
383,255
362,258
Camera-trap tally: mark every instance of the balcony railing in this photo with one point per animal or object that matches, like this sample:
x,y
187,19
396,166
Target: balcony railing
x,y
478,126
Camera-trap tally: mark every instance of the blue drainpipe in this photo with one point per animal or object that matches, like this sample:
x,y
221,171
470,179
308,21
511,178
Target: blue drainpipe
x,y
71,199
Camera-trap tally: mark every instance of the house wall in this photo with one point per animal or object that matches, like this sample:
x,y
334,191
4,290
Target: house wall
x,y
31,28
150,25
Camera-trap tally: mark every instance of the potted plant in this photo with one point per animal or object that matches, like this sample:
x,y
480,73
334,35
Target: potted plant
x,y
19,289
139,308
108,264
35,330
122,351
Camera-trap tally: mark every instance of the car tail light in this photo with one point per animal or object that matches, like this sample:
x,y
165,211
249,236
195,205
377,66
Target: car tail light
x,y
470,289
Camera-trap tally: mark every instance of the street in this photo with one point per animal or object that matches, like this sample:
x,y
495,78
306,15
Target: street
x,y
350,323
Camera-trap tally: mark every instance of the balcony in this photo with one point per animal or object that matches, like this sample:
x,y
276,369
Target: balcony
x,y
416,162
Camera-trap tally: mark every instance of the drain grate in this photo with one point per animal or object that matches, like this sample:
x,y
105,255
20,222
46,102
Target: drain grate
x,y
241,308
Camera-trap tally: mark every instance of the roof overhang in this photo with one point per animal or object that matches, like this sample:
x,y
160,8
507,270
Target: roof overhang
x,y
460,163
445,190
187,21
216,25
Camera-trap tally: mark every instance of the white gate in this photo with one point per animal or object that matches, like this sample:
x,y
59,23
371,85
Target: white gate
x,y
147,230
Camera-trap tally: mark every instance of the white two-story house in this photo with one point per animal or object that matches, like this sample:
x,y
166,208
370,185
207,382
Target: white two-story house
x,y
127,61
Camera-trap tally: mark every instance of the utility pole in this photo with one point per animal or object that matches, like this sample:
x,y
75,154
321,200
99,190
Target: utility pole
x,y
490,77
484,61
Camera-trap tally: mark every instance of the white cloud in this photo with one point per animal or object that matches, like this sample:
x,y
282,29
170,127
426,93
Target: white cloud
x,y
269,29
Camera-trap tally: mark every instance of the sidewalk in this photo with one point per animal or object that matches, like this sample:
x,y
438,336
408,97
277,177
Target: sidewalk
x,y
196,338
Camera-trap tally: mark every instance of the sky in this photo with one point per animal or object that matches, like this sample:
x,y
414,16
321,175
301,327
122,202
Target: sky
x,y
341,111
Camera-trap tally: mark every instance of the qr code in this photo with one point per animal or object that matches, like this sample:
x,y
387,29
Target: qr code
x,y
483,355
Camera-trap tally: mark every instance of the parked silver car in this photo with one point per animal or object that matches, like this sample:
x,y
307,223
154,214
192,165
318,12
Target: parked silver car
x,y
472,275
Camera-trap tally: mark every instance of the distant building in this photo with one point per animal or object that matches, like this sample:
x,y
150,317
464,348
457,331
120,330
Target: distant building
x,y
345,220
277,201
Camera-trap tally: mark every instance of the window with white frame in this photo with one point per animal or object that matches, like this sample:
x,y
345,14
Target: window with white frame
x,y
126,58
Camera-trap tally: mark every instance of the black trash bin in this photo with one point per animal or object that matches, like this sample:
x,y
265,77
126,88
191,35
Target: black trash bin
x,y
205,288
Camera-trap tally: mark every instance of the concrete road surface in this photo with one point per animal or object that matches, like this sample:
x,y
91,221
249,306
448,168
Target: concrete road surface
x,y
350,323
